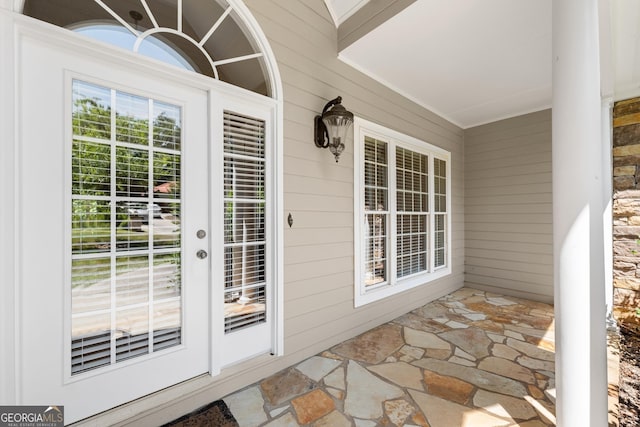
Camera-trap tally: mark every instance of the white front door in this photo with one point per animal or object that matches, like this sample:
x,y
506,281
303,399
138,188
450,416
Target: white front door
x,y
146,237
114,230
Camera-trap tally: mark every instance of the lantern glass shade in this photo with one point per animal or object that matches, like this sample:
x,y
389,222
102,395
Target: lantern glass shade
x,y
332,126
337,121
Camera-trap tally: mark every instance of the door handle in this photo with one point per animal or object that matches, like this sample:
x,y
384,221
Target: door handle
x,y
202,254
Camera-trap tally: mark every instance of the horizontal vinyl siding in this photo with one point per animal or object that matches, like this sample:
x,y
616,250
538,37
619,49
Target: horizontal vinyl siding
x,y
508,207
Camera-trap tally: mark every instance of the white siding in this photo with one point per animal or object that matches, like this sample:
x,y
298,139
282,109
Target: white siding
x,y
508,216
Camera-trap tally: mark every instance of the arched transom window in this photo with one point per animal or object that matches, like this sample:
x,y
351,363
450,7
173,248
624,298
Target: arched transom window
x,y
207,36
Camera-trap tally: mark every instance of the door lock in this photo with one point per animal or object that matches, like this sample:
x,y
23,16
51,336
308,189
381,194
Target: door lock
x,y
202,254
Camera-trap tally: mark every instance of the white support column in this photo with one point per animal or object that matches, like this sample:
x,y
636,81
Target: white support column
x,y
577,217
8,288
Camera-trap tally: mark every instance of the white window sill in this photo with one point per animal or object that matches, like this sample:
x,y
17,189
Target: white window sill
x,y
401,285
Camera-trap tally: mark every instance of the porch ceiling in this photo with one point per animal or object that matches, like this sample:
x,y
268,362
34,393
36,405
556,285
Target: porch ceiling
x,y
478,61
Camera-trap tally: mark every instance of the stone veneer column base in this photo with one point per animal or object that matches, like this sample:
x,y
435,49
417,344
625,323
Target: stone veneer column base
x,y
626,208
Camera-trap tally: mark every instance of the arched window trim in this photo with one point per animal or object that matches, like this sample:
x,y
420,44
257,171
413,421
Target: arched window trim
x,y
269,57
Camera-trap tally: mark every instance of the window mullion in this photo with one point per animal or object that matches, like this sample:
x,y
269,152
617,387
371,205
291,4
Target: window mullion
x,y
150,260
392,218
361,217
447,222
430,213
113,244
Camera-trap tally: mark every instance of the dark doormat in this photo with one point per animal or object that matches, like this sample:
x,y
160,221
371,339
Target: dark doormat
x,y
215,414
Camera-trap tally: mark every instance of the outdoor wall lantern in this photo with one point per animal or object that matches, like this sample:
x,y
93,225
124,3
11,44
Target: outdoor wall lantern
x,y
332,126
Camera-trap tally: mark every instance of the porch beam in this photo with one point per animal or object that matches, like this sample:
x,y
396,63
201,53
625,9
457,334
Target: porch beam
x,y
578,207
367,19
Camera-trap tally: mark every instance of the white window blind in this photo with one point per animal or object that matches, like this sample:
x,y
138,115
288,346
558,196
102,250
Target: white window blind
x,y
440,211
126,208
244,222
412,206
376,211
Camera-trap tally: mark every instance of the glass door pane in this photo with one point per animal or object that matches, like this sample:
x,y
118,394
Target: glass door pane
x,y
126,235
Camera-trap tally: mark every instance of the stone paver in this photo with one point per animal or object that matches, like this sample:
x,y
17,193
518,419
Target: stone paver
x,y
286,385
468,359
366,392
247,407
538,333
312,406
500,301
473,341
535,392
373,346
334,419
443,413
398,411
425,340
275,412
336,379
516,335
464,354
338,394
505,352
421,323
503,406
448,388
537,364
364,423
478,377
400,373
317,367
496,338
412,353
508,369
460,361
531,350
287,420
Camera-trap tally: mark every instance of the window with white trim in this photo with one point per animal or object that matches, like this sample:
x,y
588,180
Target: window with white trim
x,y
402,212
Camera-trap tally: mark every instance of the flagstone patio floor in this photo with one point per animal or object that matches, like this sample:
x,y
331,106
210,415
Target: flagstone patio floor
x,y
470,358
